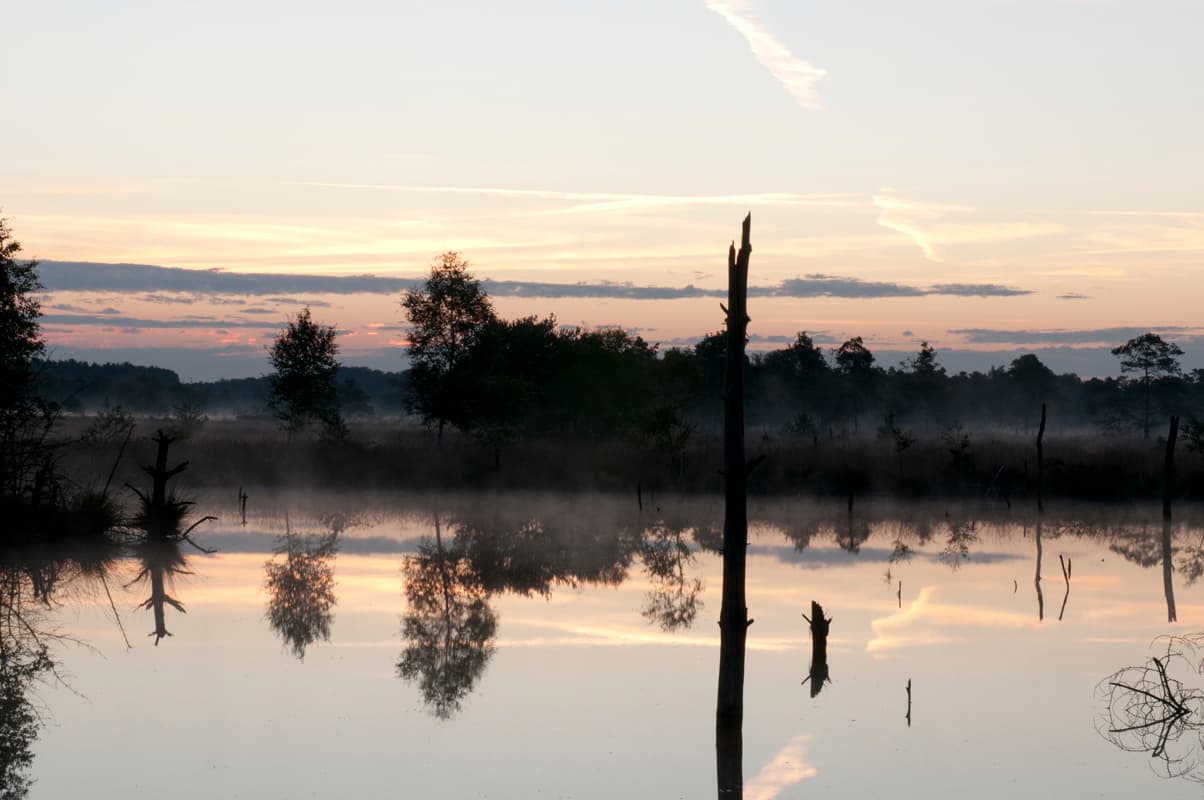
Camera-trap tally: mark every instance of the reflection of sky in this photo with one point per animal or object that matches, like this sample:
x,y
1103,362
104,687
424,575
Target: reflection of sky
x,y
787,767
584,699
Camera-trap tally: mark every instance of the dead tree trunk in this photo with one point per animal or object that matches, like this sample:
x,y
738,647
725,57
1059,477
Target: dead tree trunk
x,y
1041,464
733,614
159,473
1168,468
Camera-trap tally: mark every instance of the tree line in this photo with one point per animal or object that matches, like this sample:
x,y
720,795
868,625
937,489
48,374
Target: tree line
x,y
500,379
503,379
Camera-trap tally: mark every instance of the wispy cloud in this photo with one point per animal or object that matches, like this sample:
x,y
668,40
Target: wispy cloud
x,y
580,202
187,283
906,216
1061,336
134,323
1074,296
753,339
924,224
798,76
1190,215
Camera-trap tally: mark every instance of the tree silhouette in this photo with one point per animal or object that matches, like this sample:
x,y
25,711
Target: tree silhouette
x,y
446,318
25,418
300,589
448,626
303,389
1032,378
925,379
1151,359
855,363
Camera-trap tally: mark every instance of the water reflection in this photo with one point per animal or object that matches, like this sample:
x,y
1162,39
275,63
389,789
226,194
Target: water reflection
x,y
449,626
672,603
1037,576
160,562
32,580
1143,548
24,660
962,534
159,533
1158,708
820,625
1168,584
477,561
299,582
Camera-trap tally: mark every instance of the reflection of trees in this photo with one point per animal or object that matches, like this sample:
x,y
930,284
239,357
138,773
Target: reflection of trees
x,y
24,659
672,602
1191,561
160,562
1137,546
1168,585
1037,576
957,543
1149,709
1146,550
449,626
300,589
533,556
853,534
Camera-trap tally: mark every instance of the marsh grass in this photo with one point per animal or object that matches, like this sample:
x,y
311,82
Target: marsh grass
x,y
391,455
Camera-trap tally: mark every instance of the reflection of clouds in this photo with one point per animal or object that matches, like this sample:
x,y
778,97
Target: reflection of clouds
x,y
1136,614
575,634
788,766
924,622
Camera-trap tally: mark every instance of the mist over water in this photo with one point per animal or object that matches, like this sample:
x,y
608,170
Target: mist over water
x,y
502,644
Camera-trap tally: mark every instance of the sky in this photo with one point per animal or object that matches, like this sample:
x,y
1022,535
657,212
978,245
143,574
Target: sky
x,y
992,176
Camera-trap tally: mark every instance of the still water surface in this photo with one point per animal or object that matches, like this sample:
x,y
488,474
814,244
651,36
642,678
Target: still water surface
x,y
524,646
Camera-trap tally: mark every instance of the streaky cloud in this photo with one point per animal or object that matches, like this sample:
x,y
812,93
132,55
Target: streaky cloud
x,y
143,278
1063,336
607,201
605,289
924,224
820,285
138,323
82,276
798,76
753,338
976,290
904,216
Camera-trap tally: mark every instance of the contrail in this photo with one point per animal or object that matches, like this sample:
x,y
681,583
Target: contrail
x,y
898,215
798,76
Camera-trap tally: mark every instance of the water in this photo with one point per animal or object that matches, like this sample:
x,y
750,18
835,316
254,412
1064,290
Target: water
x,y
567,647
